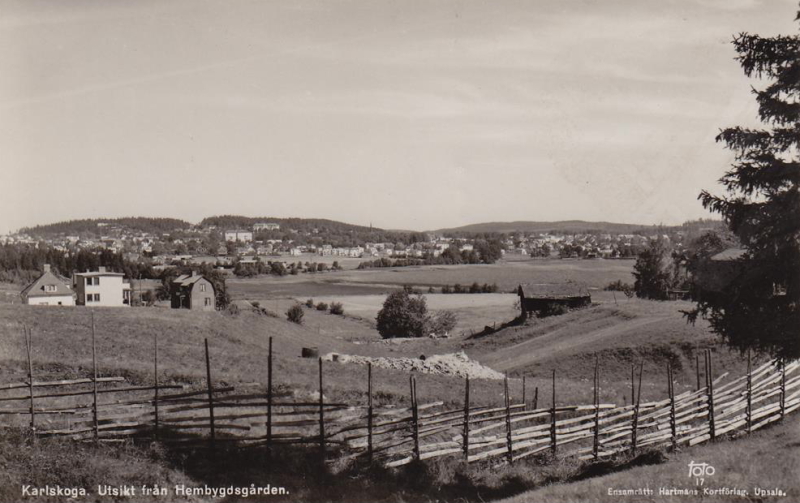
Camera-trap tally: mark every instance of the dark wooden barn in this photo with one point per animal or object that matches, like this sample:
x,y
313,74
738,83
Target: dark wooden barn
x,y
542,300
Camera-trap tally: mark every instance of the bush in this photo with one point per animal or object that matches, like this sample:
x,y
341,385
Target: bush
x,y
457,288
447,289
337,308
442,323
553,309
295,314
322,306
403,315
310,303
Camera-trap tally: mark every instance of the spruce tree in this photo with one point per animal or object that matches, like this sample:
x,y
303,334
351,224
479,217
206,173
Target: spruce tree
x,y
760,309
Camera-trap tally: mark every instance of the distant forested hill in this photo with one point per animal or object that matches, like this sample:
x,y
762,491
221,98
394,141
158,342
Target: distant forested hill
x,y
99,226
569,226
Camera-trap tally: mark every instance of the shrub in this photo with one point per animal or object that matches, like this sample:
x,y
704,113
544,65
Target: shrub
x,y
295,314
475,288
457,288
442,323
310,303
322,306
403,315
447,289
337,308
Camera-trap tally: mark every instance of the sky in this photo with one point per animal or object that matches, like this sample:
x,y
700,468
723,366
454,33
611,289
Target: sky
x,y
405,114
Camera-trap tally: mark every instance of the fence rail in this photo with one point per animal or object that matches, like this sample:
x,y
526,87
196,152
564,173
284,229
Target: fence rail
x,y
108,408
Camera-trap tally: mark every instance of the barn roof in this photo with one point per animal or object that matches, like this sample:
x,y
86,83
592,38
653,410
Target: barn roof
x,y
729,254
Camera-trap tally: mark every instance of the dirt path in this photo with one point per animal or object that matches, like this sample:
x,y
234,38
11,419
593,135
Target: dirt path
x,y
557,343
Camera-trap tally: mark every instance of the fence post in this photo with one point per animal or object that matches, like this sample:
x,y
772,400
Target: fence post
x,y
94,384
596,442
414,415
524,397
210,399
553,444
155,388
27,332
749,410
712,429
508,421
321,414
633,386
783,388
466,421
269,399
697,368
672,425
635,423
369,411
535,397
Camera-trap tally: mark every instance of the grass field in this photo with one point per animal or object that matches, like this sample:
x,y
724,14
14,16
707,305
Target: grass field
x,y
506,274
768,459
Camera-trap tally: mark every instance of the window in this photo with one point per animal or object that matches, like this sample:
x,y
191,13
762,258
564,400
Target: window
x,y
202,288
49,288
208,301
92,281
93,297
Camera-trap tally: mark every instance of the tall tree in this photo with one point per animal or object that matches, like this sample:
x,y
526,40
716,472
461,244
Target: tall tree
x,y
760,309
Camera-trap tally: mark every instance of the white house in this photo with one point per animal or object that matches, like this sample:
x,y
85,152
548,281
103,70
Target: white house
x,y
101,288
238,235
49,289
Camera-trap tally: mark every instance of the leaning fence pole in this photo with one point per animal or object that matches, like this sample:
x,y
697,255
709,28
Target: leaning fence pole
x,y
27,332
321,413
535,397
466,421
712,429
749,410
414,415
155,385
596,440
210,398
553,444
269,398
672,425
369,411
524,397
94,384
510,454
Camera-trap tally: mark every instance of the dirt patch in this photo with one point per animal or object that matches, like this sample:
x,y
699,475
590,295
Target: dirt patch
x,y
452,364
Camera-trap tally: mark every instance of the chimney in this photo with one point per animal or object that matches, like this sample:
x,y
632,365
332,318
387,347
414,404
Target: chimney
x,y
47,268
194,273
101,269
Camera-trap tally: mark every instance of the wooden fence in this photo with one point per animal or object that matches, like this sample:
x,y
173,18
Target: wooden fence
x,y
108,409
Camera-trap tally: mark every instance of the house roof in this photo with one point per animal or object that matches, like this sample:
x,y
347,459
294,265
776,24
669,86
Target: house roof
x,y
187,279
553,290
37,288
98,273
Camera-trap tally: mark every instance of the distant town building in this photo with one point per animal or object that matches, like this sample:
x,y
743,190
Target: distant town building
x,y
192,291
266,226
101,289
238,235
49,289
